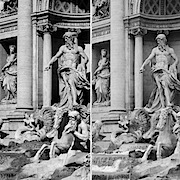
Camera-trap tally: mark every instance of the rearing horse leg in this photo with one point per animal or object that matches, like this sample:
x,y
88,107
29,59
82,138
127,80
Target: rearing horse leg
x,y
147,152
52,150
159,148
40,152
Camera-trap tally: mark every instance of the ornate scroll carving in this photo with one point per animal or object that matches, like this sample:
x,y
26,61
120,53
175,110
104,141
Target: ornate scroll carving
x,y
100,9
46,28
138,32
8,6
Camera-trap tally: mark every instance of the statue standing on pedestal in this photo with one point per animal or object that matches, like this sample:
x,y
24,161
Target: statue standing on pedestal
x,y
164,74
102,80
9,76
71,71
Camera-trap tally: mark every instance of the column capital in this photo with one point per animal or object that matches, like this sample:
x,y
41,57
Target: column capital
x,y
46,28
138,32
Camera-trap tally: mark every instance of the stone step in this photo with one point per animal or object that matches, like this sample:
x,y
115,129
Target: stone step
x,y
111,176
111,167
109,159
11,125
11,164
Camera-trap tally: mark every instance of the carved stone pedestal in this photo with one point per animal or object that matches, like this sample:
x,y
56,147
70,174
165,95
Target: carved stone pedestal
x,y
12,120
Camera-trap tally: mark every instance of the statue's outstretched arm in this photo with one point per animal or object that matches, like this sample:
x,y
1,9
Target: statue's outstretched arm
x,y
54,58
148,60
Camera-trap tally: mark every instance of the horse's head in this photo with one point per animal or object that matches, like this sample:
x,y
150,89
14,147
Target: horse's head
x,y
163,118
29,121
124,122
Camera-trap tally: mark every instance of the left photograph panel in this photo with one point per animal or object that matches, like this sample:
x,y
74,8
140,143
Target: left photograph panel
x,y
45,89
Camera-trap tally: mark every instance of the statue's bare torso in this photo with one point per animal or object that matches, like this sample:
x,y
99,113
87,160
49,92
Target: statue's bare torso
x,y
162,58
69,57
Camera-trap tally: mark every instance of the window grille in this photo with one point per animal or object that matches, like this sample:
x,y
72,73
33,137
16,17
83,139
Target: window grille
x,y
160,7
70,6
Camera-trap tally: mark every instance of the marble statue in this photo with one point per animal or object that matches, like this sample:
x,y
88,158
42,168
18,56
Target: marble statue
x,y
96,128
164,74
71,71
166,141
9,76
176,131
74,137
36,126
132,127
102,80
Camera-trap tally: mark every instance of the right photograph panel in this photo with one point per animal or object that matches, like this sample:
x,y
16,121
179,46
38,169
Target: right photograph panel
x,y
135,89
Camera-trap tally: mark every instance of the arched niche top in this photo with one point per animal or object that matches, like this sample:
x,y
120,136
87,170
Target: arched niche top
x,y
64,6
154,15
160,7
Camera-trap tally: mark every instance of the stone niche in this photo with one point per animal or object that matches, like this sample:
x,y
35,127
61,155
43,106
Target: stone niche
x,y
96,55
57,41
149,43
4,51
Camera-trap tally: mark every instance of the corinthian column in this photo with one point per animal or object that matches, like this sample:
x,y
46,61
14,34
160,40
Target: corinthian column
x,y
24,58
138,33
47,55
117,56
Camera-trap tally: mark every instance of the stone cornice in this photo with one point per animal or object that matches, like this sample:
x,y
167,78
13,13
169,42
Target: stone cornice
x,y
73,25
101,31
101,28
56,17
8,24
153,23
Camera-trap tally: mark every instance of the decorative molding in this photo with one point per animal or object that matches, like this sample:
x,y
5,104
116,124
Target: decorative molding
x,y
73,25
8,29
61,20
152,22
101,31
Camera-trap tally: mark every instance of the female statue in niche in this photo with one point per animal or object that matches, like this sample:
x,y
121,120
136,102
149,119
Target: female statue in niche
x,y
9,76
102,80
